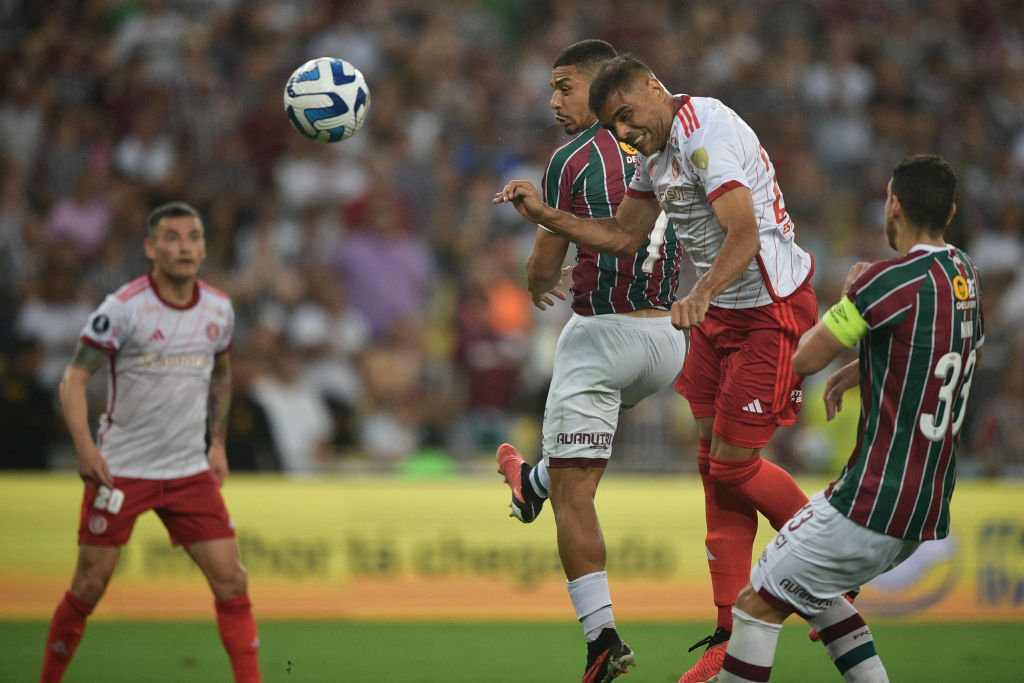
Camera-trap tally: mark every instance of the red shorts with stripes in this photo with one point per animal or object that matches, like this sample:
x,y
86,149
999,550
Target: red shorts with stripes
x,y
739,368
191,508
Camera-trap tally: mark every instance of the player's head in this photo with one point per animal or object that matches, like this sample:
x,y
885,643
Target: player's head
x,y
631,102
922,190
571,73
175,241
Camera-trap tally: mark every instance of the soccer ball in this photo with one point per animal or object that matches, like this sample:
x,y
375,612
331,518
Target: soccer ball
x,y
326,99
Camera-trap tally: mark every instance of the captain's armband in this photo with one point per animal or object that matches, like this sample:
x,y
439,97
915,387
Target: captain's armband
x,y
845,322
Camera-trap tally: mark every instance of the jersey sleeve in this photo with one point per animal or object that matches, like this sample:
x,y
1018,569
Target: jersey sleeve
x,y
109,326
224,342
716,155
641,185
881,306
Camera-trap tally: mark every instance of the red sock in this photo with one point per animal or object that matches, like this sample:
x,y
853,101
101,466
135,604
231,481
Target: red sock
x,y
241,640
763,484
66,629
732,525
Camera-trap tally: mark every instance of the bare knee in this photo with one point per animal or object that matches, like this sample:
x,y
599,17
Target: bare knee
x,y
749,602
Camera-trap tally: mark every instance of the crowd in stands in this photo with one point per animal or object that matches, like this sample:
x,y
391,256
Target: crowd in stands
x,y
380,299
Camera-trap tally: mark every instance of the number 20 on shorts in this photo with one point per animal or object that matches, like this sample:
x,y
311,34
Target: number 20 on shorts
x,y
109,499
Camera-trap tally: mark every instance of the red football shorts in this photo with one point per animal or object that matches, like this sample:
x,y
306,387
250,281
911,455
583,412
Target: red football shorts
x,y
191,508
739,369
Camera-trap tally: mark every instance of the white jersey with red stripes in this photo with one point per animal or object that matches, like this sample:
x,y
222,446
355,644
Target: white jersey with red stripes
x,y
711,150
161,360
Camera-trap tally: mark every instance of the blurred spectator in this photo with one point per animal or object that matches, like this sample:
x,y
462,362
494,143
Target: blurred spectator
x,y
53,317
298,417
27,417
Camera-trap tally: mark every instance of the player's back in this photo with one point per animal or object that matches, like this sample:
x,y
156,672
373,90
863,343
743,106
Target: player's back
x,y
917,361
588,177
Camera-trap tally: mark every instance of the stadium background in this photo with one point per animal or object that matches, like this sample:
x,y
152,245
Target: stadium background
x,y
385,344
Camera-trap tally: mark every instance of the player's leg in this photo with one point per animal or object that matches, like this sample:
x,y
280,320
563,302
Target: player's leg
x,y
219,560
582,551
197,518
751,649
93,570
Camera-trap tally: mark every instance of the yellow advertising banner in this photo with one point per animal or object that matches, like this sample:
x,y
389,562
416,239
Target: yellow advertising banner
x,y
383,548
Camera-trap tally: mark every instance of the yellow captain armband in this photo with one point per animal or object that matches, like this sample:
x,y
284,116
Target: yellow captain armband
x,y
845,321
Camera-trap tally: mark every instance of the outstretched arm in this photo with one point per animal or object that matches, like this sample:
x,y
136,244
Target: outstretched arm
x,y
218,405
86,360
621,235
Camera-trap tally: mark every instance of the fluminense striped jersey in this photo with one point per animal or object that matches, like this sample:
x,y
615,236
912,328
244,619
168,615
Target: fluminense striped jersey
x,y
917,359
587,177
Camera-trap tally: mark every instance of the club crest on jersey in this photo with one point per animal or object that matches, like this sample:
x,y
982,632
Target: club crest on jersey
x,y
699,158
212,332
960,288
675,168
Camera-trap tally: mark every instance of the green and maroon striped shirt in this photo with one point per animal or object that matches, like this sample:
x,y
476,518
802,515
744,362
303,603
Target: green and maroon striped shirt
x,y
917,359
588,177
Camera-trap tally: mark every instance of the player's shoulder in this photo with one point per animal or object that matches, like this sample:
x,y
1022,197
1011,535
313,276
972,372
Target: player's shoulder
x,y
577,148
133,289
206,289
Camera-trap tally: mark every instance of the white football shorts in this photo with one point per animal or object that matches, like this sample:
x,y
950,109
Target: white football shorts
x,y
605,365
819,555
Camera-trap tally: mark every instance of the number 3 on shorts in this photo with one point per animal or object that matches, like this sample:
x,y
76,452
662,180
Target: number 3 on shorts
x,y
109,499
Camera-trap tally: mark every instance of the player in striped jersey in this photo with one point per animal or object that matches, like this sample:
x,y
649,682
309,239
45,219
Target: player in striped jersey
x,y
618,348
919,322
704,167
164,340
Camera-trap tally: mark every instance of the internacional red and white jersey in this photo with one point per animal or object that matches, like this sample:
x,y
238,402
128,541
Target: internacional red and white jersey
x,y
161,360
710,151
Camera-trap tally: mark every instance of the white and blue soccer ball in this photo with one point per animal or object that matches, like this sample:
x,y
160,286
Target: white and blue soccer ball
x,y
326,99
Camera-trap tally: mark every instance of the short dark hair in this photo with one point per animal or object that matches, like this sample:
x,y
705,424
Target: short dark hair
x,y
925,184
617,74
586,55
169,210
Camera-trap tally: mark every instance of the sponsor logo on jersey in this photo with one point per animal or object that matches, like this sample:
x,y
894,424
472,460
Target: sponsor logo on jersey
x,y
672,194
153,360
156,336
627,148
960,288
596,440
699,158
97,524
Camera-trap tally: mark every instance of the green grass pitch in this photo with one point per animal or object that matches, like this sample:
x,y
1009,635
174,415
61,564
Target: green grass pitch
x,y
371,652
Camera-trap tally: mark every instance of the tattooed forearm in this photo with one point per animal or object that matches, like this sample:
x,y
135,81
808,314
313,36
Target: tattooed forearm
x,y
220,398
88,357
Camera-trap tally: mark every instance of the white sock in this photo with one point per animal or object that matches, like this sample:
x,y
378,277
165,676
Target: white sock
x,y
751,649
540,479
849,643
593,602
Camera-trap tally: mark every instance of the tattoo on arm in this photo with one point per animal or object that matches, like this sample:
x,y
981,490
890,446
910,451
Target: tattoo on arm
x,y
220,398
88,357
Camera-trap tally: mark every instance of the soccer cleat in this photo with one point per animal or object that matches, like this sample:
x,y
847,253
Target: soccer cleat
x,y
526,504
710,663
607,657
813,635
